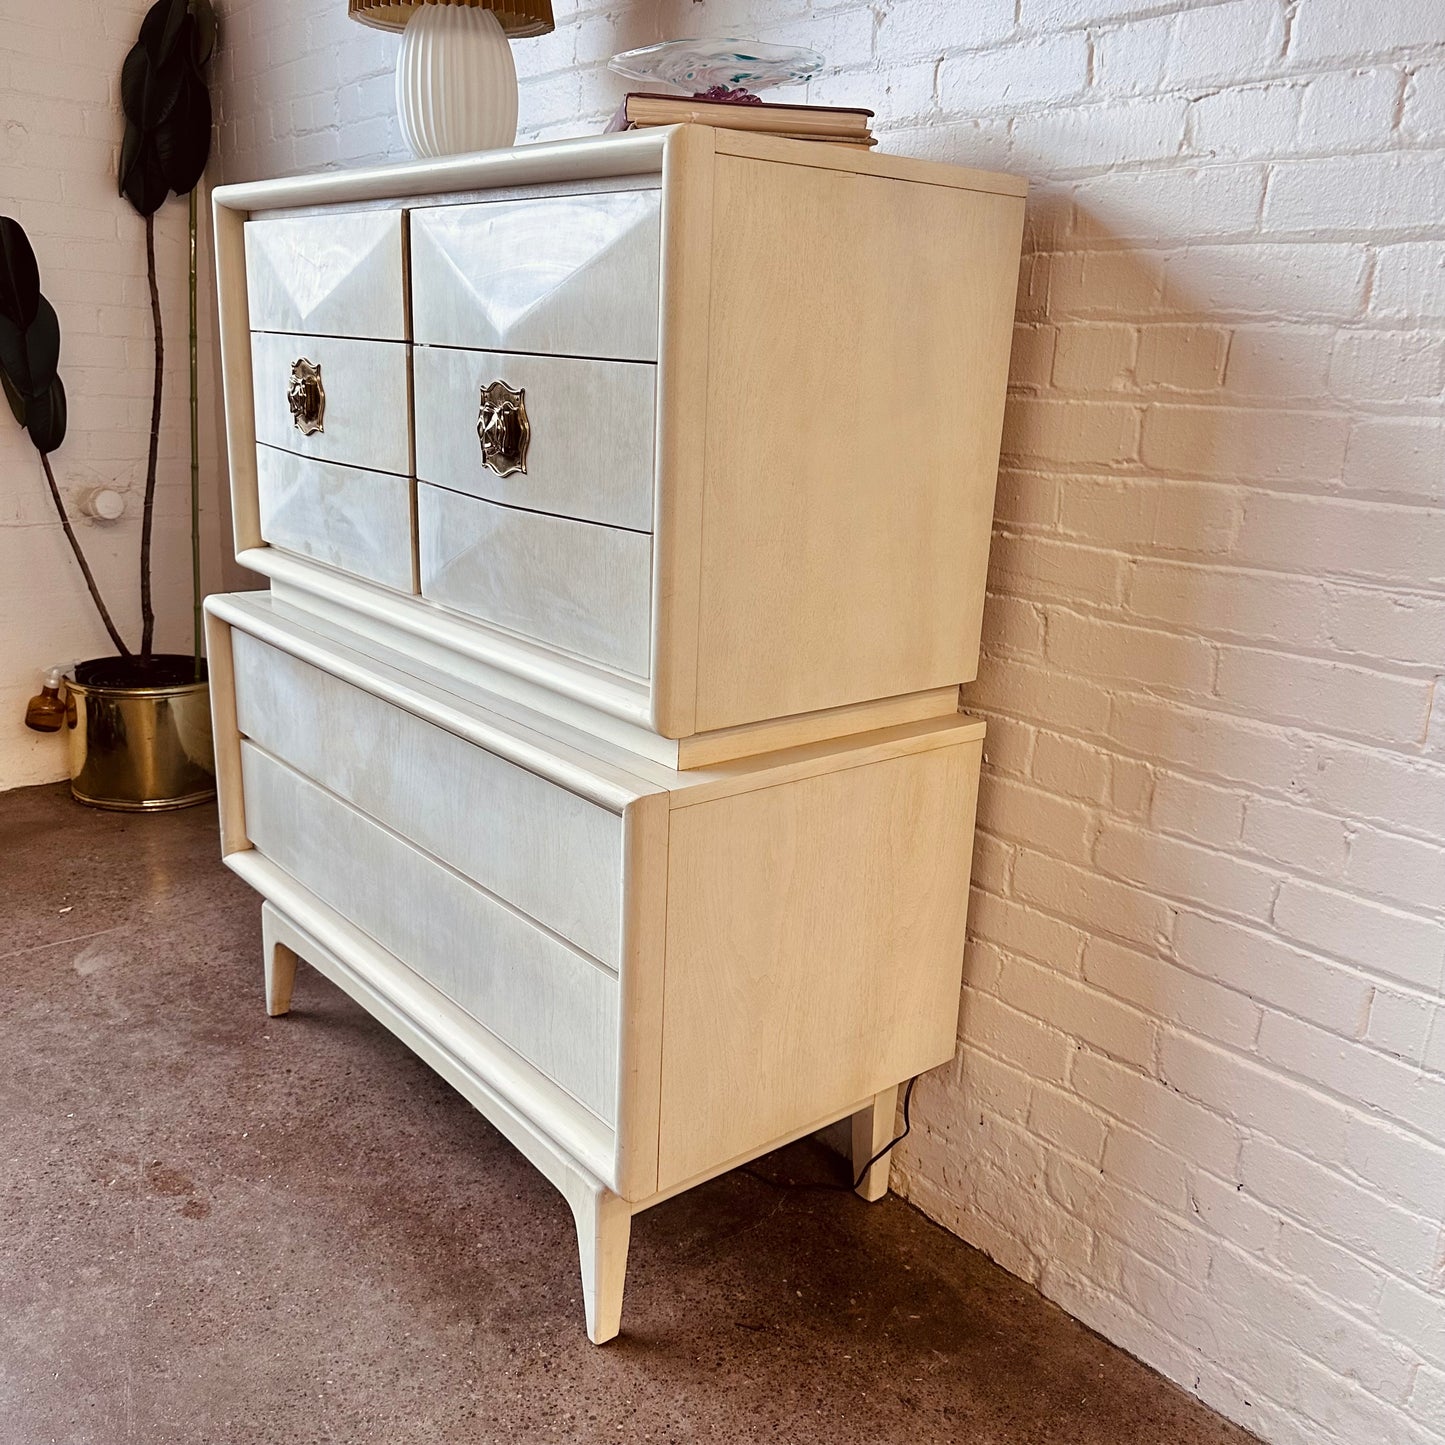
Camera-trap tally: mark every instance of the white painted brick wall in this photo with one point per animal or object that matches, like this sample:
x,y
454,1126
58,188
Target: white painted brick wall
x,y
1200,1098
60,131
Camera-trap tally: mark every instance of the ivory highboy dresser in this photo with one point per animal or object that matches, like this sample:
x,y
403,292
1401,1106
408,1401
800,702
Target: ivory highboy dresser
x,y
626,507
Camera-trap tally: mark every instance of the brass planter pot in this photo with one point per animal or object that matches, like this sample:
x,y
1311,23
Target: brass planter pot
x,y
139,736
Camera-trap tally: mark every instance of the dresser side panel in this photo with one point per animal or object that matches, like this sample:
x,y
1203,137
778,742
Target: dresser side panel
x,y
858,355
814,949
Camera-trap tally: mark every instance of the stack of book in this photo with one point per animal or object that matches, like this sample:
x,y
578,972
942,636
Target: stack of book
x,y
834,124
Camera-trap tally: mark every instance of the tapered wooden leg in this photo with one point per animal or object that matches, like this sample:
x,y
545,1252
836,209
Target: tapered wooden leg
x,y
604,1226
872,1129
280,965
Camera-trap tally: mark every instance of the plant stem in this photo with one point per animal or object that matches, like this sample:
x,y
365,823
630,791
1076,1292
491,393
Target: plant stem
x,y
85,571
147,610
195,461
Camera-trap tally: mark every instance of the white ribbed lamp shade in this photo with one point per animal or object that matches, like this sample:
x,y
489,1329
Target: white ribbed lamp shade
x,y
456,83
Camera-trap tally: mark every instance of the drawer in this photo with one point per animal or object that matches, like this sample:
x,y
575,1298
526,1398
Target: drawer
x,y
590,455
553,1005
574,585
569,275
364,420
546,851
334,275
347,517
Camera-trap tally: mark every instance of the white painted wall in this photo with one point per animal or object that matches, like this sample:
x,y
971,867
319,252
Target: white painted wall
x,y
1200,1099
60,129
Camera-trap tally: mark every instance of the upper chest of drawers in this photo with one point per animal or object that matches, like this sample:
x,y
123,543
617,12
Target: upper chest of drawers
x,y
698,430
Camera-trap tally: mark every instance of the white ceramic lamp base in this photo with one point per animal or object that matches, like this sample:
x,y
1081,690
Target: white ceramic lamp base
x,y
456,83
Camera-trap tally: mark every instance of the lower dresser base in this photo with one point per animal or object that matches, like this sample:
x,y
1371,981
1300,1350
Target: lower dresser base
x,y
642,978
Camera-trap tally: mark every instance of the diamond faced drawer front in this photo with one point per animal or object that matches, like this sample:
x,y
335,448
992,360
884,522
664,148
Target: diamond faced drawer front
x,y
573,275
355,520
333,275
577,586
590,432
543,850
335,398
553,1005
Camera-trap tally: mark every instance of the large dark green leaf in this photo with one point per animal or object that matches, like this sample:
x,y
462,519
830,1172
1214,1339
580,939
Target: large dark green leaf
x,y
29,357
163,27
45,417
142,181
17,402
183,142
204,40
149,87
19,274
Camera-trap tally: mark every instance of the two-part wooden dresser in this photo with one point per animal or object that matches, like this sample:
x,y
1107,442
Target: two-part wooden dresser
x,y
626,508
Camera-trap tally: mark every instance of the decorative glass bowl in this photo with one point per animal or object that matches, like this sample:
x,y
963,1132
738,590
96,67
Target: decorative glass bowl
x,y
719,69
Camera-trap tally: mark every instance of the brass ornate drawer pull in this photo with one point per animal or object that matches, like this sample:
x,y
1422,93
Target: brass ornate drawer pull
x,y
503,428
306,397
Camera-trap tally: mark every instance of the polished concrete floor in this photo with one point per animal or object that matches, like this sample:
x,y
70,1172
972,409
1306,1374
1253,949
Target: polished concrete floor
x,y
219,1227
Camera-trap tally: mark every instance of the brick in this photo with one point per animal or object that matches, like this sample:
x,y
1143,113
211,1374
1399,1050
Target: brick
x,y
1111,908
1394,1088
1243,121
1312,842
1103,284
1349,1214
1184,999
1130,1096
1014,1037
1333,1270
1140,657
1071,766
1231,443
906,29
1182,358
1245,1283
1226,1211
1219,42
1087,433
1400,1023
1399,457
1384,940
1410,282
1023,930
1393,866
1192,809
1281,361
1337,29
1032,358
1355,193
1200,202
1063,1121
1347,109
1411,1313
1021,813
1338,536
1046,568
1094,358
1046,70
1409,1169
1299,282
1185,871
1324,694
1082,137
1230,602
1109,1027
1356,781
1253,1096
1388,366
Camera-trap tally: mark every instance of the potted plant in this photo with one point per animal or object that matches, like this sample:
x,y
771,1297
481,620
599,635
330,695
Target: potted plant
x,y
139,722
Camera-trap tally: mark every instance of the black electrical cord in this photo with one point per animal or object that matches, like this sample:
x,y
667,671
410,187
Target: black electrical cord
x,y
862,1173
892,1143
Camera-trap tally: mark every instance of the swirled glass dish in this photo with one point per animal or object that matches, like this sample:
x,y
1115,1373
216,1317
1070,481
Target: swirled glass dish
x,y
719,69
